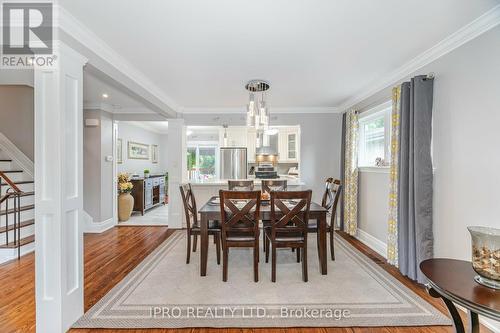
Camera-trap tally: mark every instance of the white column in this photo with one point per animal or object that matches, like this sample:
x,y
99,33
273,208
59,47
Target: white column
x,y
58,192
177,170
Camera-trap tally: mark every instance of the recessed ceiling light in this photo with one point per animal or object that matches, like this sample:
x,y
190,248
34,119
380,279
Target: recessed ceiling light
x,y
105,95
189,132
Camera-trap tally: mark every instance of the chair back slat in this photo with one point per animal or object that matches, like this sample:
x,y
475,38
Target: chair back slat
x,y
333,189
293,217
240,219
189,203
274,185
240,185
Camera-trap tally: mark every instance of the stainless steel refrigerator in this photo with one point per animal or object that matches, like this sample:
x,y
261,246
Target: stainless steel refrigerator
x,y
233,163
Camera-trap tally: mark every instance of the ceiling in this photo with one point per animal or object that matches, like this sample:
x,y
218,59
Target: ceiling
x,y
315,53
118,100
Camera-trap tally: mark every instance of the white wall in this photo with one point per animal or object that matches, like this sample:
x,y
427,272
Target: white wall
x,y
97,172
466,141
373,208
129,132
320,142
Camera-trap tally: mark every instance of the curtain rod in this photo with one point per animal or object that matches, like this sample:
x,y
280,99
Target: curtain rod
x,y
429,76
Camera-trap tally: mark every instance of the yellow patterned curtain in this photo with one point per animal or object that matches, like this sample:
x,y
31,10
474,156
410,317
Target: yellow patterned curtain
x,y
351,174
392,235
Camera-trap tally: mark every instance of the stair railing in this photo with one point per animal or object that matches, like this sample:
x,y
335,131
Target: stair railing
x,y
12,192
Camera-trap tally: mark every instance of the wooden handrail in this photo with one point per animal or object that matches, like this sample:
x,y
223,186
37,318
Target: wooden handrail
x,y
10,182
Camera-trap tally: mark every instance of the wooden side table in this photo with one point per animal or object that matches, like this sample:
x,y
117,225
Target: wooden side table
x,y
453,281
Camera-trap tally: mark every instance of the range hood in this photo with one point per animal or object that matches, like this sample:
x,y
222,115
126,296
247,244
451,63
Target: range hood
x,y
266,155
266,151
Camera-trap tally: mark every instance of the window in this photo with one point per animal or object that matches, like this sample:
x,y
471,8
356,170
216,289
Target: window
x,y
201,162
375,136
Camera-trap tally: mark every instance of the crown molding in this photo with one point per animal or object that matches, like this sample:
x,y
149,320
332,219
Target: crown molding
x,y
66,22
116,110
273,110
477,27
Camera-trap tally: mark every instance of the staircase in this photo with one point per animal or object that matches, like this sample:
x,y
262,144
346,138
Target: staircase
x,y
17,210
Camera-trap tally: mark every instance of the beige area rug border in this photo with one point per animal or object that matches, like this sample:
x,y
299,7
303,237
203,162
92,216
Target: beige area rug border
x,y
106,314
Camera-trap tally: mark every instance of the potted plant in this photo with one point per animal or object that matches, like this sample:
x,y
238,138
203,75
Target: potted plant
x,y
146,173
125,199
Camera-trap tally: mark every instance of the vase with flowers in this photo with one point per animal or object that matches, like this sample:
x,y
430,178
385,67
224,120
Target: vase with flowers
x,y
125,199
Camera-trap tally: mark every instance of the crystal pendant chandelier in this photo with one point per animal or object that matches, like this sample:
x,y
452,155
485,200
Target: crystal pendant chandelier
x,y
257,109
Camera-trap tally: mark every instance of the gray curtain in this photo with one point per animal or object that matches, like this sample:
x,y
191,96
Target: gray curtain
x,y
415,237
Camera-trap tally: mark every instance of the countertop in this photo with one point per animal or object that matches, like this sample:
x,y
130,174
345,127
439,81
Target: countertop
x,y
150,176
291,181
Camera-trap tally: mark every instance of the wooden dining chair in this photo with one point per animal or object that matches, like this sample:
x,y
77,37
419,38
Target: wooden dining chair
x,y
240,185
333,189
193,226
274,185
289,220
240,212
268,186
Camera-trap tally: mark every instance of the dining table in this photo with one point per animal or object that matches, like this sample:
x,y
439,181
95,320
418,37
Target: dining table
x,y
210,211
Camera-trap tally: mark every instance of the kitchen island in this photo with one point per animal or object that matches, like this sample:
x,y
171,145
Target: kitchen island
x,y
204,190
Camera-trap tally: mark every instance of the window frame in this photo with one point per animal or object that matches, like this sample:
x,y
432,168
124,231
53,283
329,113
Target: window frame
x,y
383,110
204,144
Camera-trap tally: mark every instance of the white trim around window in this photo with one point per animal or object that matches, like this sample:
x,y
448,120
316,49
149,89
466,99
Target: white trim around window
x,y
379,112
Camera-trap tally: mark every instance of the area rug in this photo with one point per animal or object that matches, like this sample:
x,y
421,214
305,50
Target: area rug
x,y
155,217
164,292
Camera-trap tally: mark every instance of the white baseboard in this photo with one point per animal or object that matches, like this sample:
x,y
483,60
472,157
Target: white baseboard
x,y
91,227
372,242
11,254
17,156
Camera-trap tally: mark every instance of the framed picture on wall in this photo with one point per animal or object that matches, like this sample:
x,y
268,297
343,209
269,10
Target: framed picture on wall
x,y
119,151
138,151
154,153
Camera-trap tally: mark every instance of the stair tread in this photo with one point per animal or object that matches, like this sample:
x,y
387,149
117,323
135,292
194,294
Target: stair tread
x,y
24,241
5,160
23,224
23,208
12,171
19,183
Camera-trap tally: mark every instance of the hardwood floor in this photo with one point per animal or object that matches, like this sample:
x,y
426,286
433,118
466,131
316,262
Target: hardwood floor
x,y
110,256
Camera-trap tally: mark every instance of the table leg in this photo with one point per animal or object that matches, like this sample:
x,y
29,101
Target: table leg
x,y
204,244
455,316
473,322
322,243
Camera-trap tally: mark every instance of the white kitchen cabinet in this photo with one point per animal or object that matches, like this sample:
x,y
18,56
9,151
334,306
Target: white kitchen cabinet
x,y
289,144
236,137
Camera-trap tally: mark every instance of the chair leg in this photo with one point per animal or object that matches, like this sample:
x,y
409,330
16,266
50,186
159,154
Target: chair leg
x,y
298,254
217,245
332,248
188,256
225,253
273,263
256,250
267,249
304,263
264,239
195,241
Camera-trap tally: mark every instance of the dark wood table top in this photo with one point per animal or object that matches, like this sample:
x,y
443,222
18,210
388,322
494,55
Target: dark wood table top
x,y
454,279
212,208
